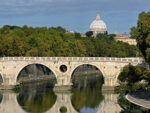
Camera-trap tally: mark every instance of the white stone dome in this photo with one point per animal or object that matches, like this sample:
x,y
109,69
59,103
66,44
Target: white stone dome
x,y
98,25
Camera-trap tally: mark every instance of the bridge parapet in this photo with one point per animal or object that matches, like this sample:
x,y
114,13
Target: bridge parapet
x,y
72,59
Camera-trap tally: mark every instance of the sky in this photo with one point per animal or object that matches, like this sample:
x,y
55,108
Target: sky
x,y
119,15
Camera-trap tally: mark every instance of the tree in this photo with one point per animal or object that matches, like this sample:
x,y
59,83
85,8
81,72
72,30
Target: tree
x,y
133,32
54,42
142,34
131,74
105,38
89,33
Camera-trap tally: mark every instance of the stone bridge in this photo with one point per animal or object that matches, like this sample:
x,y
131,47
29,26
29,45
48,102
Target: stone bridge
x,y
10,67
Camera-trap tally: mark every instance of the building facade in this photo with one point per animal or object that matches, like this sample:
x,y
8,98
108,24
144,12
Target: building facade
x,y
125,38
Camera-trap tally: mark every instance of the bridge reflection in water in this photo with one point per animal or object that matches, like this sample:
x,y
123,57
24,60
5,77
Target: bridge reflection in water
x,y
10,104
35,101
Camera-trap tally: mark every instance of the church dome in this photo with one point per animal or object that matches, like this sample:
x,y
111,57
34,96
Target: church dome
x,y
98,25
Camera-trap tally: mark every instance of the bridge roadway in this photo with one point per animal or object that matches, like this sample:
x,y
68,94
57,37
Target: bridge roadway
x,y
10,67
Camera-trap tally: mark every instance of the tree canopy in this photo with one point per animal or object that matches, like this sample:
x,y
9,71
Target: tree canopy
x,y
142,34
52,42
133,74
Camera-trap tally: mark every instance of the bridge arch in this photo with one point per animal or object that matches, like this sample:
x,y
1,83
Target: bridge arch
x,y
92,64
109,71
23,66
86,65
96,71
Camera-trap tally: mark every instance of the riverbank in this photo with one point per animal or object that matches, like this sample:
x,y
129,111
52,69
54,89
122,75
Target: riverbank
x,y
51,80
141,98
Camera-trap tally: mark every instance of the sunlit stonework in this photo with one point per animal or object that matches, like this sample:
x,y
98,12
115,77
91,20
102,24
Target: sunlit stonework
x,y
98,26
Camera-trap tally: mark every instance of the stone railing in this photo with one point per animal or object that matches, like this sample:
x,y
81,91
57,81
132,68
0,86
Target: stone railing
x,y
91,59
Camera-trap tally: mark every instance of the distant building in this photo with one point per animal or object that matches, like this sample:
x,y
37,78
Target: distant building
x,y
98,26
73,31
83,34
125,38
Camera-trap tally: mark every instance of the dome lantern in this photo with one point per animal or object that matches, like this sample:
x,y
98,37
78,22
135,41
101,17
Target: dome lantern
x,y
98,17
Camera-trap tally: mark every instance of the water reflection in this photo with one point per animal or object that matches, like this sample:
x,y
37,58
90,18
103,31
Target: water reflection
x,y
63,102
81,100
40,98
89,98
110,103
9,103
36,98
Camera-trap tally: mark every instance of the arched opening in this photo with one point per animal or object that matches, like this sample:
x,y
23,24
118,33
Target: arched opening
x,y
87,82
86,74
36,97
1,79
36,72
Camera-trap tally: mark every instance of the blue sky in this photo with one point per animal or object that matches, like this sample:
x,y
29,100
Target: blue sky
x,y
119,15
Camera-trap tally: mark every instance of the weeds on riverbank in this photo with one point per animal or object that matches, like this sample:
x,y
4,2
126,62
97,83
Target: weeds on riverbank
x,y
124,88
16,89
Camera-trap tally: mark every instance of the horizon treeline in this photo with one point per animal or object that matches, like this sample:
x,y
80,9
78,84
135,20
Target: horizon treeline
x,y
57,42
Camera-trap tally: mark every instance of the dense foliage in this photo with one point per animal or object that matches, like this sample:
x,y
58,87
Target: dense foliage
x,y
89,33
142,34
133,74
133,79
28,41
136,78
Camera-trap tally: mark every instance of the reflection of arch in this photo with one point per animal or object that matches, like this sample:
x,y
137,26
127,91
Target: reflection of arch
x,y
86,98
1,79
26,65
33,101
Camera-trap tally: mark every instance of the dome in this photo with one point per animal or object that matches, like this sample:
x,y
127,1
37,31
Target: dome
x,y
98,25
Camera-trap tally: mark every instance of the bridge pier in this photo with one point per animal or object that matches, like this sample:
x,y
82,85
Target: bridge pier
x,y
8,82
63,83
110,83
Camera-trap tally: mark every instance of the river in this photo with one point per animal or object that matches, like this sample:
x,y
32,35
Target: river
x,y
86,96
